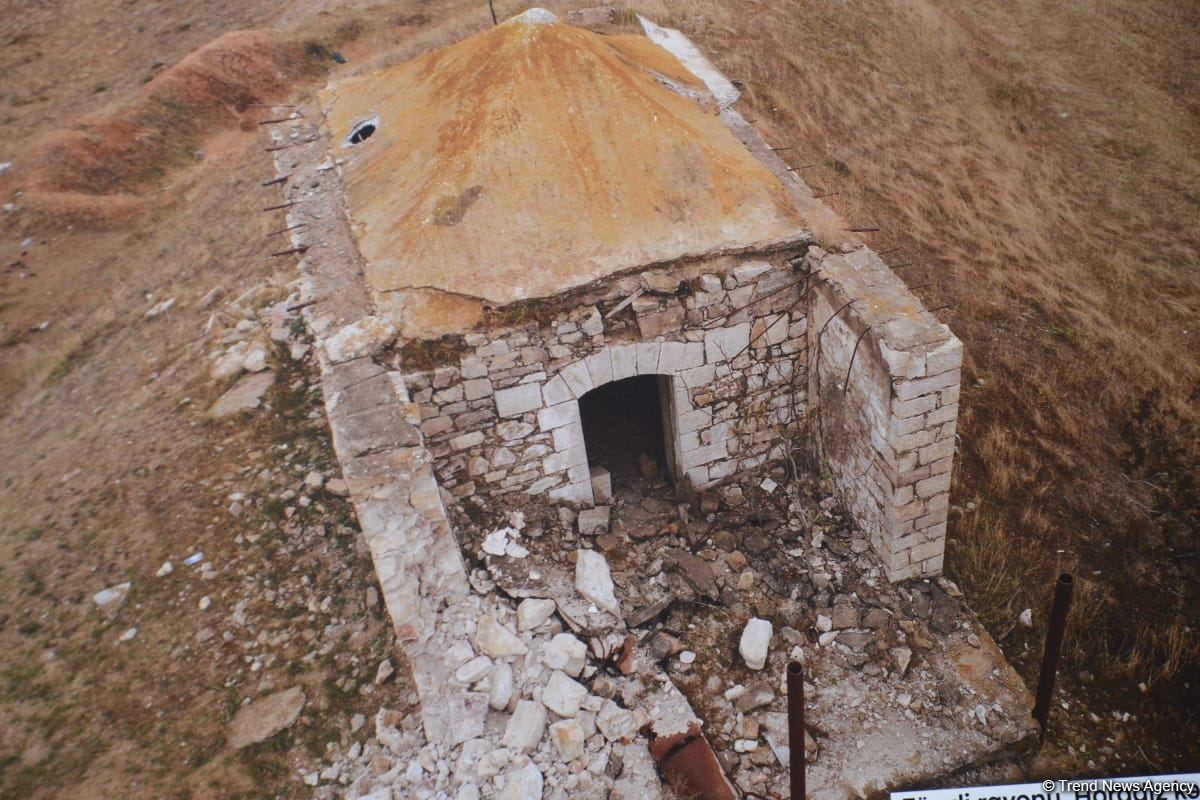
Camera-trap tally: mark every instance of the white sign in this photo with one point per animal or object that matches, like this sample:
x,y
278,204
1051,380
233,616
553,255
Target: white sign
x,y
1153,787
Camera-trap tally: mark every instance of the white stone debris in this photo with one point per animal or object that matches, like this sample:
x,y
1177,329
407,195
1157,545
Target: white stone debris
x,y
525,727
474,670
562,695
594,581
500,686
566,653
568,737
533,611
523,783
160,308
496,542
109,600
755,642
363,337
496,640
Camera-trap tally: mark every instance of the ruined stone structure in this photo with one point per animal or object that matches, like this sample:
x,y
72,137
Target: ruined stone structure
x,y
543,211
506,416
498,235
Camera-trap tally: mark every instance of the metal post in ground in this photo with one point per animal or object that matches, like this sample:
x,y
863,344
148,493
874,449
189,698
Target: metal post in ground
x,y
795,700
1064,589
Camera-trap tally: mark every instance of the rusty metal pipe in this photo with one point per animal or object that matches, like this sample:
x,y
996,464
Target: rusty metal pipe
x,y
795,698
1064,590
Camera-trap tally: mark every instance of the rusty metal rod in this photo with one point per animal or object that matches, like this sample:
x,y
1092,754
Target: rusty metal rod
x,y
1064,590
795,700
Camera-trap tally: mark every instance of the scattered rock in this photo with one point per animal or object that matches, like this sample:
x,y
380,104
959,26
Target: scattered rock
x,y
901,657
496,542
1026,618
524,783
616,723
568,737
110,600
525,726
845,617
663,645
500,686
566,653
755,643
474,670
160,308
855,640
265,717
694,570
384,672
496,640
594,581
532,612
594,520
166,569
876,618
364,337
562,695
245,395
756,695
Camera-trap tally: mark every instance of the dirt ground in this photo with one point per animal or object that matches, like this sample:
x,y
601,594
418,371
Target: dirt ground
x,y
1035,167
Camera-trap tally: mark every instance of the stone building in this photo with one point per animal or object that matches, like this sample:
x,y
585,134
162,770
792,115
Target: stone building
x,y
590,260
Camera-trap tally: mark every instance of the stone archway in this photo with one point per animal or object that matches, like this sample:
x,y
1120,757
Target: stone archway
x,y
625,430
681,367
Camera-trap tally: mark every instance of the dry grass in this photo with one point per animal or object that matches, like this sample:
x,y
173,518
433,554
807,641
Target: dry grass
x,y
1039,167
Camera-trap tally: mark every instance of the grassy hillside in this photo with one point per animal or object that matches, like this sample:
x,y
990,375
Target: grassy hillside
x,y
1033,170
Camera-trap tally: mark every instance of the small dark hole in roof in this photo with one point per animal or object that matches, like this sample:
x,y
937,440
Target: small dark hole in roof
x,y
362,133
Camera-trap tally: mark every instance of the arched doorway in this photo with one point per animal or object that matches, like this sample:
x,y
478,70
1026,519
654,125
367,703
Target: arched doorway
x,y
627,429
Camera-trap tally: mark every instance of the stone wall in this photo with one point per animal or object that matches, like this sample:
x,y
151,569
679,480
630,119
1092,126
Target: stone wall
x,y
884,375
503,416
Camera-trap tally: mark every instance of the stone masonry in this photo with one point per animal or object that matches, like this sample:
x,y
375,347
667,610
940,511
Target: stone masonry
x,y
884,374
503,416
756,349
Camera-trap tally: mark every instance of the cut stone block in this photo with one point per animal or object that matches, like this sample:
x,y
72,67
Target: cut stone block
x,y
594,520
601,484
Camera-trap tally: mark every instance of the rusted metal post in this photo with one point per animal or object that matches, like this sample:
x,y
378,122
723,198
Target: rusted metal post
x,y
1064,590
795,692
492,9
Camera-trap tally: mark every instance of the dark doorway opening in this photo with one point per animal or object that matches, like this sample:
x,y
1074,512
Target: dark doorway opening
x,y
623,429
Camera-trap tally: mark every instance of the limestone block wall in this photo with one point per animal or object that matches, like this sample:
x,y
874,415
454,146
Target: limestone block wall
x,y
884,375
503,414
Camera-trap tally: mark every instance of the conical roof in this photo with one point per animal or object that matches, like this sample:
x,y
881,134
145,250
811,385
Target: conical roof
x,y
535,157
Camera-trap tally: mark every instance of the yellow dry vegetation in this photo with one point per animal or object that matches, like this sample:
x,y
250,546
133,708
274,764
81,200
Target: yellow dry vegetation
x,y
1033,170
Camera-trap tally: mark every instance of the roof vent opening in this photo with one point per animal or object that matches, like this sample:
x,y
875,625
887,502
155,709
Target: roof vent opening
x,y
362,131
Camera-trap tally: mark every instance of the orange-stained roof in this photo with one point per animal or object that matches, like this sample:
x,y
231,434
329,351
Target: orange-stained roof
x,y
535,157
